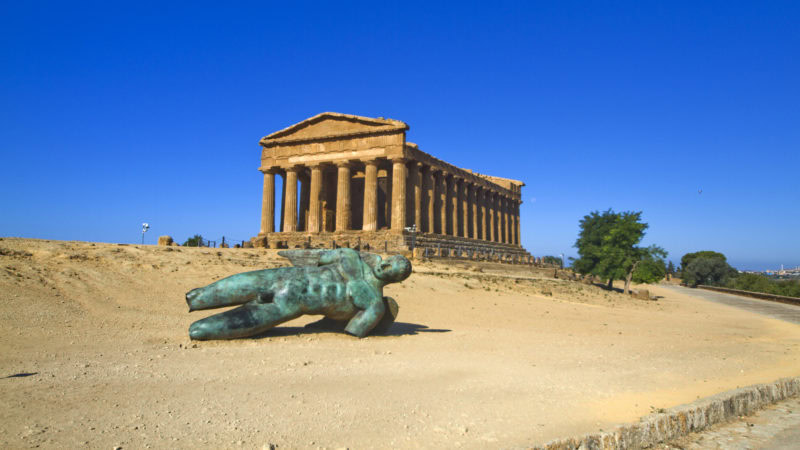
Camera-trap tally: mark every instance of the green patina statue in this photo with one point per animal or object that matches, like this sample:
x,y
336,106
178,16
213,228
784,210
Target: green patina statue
x,y
344,285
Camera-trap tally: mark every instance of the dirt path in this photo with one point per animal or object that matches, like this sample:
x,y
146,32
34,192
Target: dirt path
x,y
504,357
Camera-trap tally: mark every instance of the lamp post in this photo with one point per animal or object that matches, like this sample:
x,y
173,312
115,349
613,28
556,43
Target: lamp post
x,y
145,227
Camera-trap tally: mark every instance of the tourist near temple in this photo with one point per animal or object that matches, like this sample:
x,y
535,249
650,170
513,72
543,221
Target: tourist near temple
x,y
361,184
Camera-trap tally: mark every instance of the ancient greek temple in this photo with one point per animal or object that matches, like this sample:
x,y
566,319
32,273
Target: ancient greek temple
x,y
362,184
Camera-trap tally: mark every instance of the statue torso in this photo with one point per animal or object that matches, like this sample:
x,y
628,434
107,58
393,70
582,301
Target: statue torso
x,y
329,289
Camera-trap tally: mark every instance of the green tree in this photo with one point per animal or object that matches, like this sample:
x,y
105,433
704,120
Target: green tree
x,y
689,257
671,268
608,246
650,270
711,271
194,241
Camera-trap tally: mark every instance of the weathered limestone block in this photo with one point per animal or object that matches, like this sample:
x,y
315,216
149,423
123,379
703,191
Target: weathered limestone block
x,y
642,294
165,240
259,242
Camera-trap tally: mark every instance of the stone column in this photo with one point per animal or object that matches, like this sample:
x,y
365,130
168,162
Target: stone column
x,y
443,202
492,217
430,195
454,205
473,210
305,196
343,196
500,223
399,174
519,228
283,199
370,196
509,223
464,199
290,200
512,223
416,177
484,214
501,209
268,203
315,200
387,207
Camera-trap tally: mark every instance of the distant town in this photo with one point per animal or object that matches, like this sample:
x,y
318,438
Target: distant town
x,y
782,274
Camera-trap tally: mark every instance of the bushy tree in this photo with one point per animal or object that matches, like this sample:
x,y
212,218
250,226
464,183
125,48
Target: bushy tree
x,y
712,271
608,246
194,241
671,268
649,270
689,257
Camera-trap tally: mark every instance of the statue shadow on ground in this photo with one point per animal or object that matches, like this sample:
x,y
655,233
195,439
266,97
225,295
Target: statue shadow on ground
x,y
329,326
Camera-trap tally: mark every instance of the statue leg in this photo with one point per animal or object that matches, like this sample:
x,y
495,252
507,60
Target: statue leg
x,y
247,320
238,289
389,316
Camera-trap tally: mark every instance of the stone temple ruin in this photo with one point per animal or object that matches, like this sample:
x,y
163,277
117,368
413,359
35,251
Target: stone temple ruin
x,y
363,185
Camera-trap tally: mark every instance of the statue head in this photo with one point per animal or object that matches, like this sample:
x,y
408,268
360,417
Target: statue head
x,y
393,269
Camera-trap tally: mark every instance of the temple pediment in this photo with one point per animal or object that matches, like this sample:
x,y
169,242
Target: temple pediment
x,y
330,125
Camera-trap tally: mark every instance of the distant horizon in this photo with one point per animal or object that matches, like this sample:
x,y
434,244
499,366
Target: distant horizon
x,y
153,240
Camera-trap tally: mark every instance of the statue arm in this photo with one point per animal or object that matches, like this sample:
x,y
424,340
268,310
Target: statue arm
x,y
329,257
347,260
317,257
371,308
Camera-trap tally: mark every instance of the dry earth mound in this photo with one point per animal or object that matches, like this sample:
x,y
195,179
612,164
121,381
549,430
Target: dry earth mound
x,y
95,352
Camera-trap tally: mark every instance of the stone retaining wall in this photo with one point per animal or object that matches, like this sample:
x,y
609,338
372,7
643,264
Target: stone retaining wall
x,y
682,420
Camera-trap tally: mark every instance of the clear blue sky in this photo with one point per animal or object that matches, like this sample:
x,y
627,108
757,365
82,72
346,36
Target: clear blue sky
x,y
113,114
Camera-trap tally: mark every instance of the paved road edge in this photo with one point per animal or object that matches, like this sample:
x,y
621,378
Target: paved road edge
x,y
759,295
684,419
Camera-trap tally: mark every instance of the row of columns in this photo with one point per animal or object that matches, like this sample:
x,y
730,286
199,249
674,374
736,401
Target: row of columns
x,y
442,203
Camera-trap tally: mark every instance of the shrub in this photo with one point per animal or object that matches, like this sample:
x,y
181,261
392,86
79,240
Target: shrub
x,y
649,271
194,241
759,283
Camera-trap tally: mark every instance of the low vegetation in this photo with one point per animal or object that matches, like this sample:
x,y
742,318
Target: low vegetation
x,y
754,282
194,241
712,268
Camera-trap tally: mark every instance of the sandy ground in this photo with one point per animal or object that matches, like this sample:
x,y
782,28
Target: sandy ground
x,y
94,352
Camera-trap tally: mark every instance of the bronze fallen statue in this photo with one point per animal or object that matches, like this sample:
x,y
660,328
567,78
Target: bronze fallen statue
x,y
343,285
